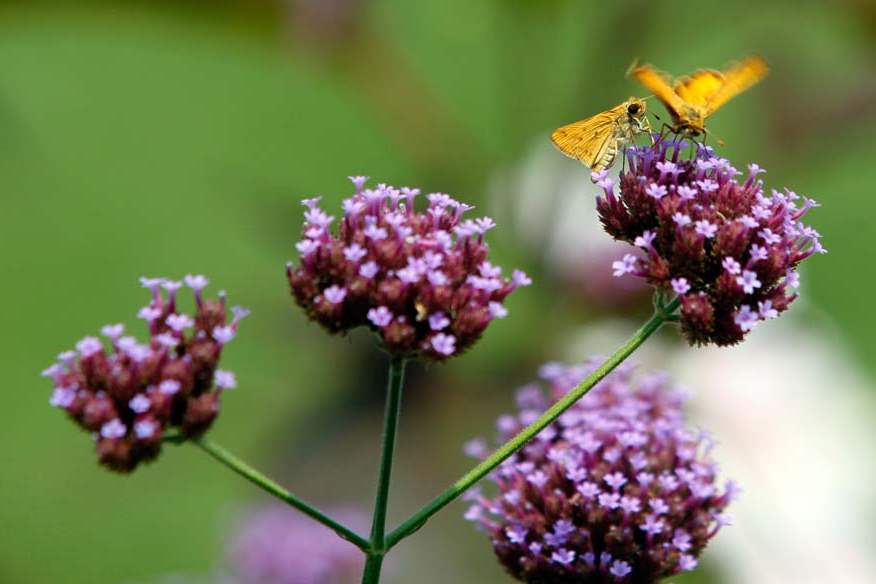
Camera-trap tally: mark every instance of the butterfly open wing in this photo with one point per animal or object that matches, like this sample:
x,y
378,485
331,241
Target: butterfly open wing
x,y
699,88
660,85
737,79
693,98
587,140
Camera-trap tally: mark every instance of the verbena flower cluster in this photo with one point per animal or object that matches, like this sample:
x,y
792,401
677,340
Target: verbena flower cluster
x,y
420,280
617,490
727,250
276,545
130,393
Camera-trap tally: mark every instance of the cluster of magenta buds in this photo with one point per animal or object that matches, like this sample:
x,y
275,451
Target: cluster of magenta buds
x,y
709,234
618,489
130,394
419,279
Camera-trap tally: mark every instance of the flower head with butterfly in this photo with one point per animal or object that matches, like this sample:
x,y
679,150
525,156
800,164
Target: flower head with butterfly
x,y
708,234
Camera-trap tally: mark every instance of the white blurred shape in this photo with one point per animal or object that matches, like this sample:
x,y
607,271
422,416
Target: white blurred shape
x,y
793,417
554,214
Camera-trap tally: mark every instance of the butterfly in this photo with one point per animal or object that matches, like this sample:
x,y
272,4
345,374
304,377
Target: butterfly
x,y
690,100
597,140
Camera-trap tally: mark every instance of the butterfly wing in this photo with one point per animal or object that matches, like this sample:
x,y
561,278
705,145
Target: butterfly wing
x,y
738,78
700,87
660,85
588,140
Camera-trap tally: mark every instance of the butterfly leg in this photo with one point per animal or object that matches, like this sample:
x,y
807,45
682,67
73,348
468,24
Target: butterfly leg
x,y
697,146
665,130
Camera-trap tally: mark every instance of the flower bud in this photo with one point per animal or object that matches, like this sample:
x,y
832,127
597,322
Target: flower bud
x,y
393,269
129,394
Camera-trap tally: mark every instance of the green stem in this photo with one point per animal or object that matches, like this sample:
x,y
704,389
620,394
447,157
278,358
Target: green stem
x,y
371,574
468,480
373,563
273,488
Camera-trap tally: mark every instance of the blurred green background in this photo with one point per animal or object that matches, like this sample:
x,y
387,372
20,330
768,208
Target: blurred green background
x,y
161,138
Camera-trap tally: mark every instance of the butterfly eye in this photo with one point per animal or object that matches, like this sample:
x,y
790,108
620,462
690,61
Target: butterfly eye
x,y
633,109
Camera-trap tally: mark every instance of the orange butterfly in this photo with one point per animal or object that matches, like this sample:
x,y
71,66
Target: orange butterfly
x,y
690,100
597,140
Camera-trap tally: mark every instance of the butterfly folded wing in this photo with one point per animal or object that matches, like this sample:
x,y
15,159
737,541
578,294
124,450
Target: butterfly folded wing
x,y
588,140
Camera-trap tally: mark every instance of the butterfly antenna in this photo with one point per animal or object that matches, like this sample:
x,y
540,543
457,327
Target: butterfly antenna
x,y
632,67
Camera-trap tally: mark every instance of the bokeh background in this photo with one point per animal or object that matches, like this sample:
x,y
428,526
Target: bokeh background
x,y
161,138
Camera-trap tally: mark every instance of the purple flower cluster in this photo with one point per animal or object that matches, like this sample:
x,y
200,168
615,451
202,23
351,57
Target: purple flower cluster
x,y
276,545
420,280
617,490
129,394
728,251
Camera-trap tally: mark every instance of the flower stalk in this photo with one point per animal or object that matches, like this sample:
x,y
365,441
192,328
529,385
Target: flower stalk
x,y
272,487
468,480
378,547
379,543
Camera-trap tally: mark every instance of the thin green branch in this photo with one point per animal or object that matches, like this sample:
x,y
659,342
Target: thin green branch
x,y
266,484
661,315
395,382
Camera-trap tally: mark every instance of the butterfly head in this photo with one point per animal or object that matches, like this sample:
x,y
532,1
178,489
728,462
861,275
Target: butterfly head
x,y
635,109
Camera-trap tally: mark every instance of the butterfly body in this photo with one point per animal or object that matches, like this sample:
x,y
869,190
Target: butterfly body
x,y
690,100
597,140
